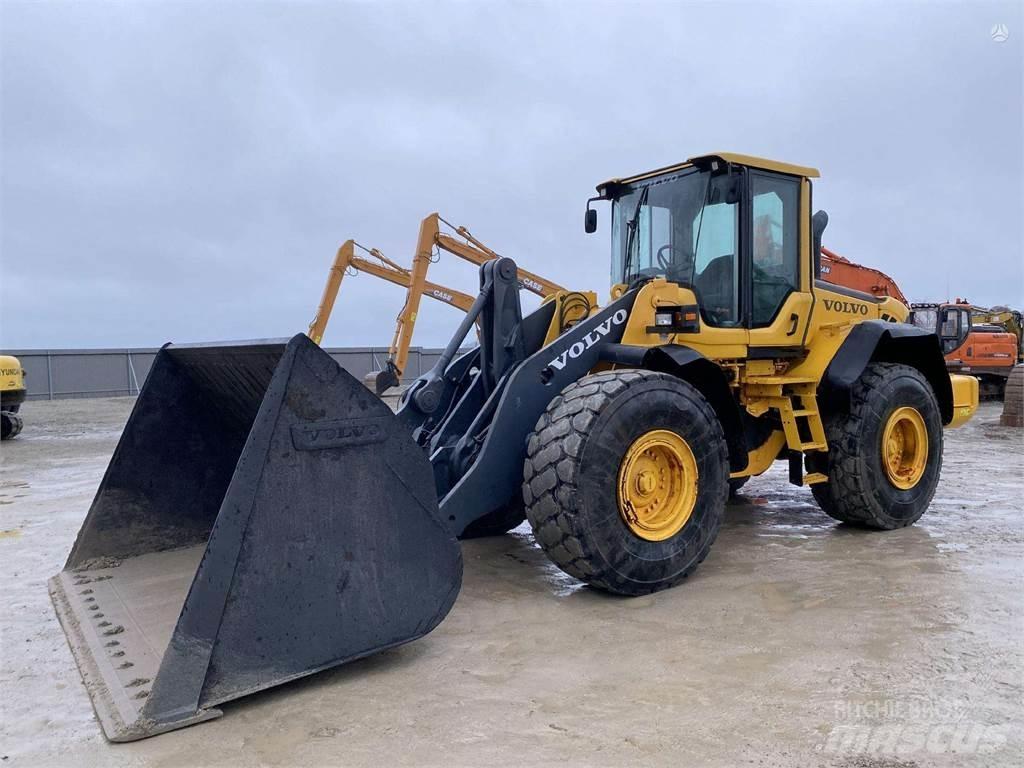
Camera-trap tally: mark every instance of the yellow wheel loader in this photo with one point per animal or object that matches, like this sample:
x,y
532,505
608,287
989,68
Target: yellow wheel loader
x,y
264,516
12,395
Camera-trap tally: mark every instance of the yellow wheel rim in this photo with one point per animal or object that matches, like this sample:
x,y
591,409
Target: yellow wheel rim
x,y
905,447
657,485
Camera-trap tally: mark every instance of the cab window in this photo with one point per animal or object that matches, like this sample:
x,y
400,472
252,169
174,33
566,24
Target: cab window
x,y
715,276
950,324
686,229
654,233
775,255
925,319
954,328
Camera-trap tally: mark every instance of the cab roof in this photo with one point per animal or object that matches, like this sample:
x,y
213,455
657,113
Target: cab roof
x,y
728,157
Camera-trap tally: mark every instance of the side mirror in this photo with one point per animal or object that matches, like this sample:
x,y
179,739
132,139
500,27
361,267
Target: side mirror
x,y
590,221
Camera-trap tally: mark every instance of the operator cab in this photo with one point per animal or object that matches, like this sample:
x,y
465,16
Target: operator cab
x,y
726,226
952,323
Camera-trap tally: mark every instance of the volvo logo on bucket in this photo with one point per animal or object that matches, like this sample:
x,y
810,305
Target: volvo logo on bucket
x,y
338,433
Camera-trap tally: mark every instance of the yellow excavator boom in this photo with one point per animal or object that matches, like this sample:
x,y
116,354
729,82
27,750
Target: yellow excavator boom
x,y
475,252
384,268
462,244
468,248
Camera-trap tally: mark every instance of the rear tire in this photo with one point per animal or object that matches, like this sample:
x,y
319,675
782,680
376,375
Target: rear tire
x,y
573,479
860,490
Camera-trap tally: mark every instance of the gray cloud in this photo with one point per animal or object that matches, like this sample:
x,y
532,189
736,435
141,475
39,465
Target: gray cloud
x,y
185,171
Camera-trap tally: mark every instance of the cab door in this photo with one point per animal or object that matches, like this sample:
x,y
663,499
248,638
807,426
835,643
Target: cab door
x,y
954,325
778,280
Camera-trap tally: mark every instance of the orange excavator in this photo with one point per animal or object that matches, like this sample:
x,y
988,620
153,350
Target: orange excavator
x,y
984,350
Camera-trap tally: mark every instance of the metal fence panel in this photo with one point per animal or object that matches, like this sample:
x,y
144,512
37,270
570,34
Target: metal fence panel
x,y
96,375
64,373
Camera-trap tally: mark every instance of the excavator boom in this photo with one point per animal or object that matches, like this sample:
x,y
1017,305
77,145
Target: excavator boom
x,y
475,252
467,248
414,280
839,270
384,268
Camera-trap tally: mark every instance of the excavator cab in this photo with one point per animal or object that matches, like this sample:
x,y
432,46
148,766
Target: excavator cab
x,y
952,323
954,326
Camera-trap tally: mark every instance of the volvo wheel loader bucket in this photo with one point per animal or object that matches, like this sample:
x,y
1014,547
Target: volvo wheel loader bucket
x,y
263,517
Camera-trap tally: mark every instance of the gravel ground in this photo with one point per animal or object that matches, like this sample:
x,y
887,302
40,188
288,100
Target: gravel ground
x,y
798,642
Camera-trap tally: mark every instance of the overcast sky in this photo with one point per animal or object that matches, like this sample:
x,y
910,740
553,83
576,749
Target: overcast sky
x,y
185,171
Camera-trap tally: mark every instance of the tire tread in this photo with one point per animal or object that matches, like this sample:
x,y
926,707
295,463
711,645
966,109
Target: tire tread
x,y
549,475
843,496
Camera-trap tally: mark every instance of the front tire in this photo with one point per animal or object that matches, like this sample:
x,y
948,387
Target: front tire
x,y
626,479
885,455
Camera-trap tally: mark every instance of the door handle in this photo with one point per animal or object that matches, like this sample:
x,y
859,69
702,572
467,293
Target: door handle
x,y
794,319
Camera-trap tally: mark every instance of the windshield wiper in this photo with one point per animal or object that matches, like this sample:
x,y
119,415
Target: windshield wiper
x,y
631,227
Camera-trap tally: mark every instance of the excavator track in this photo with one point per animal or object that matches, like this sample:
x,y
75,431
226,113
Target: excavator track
x,y
11,425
